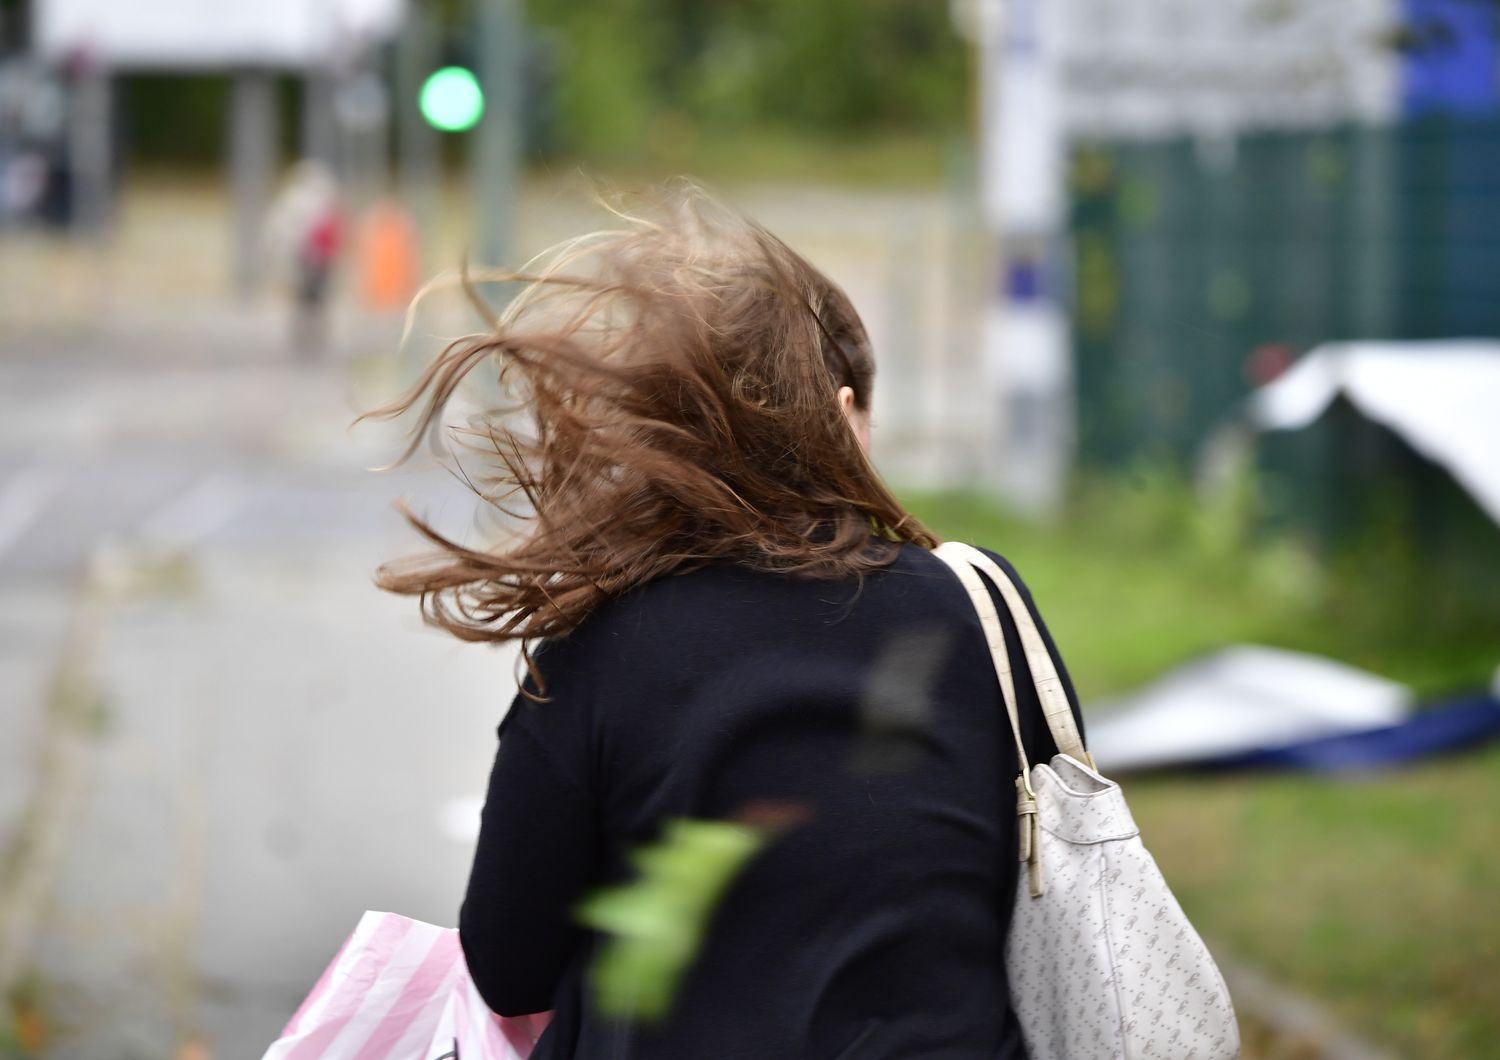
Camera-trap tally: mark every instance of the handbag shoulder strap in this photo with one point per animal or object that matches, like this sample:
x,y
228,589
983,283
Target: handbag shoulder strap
x,y
1028,827
994,636
963,559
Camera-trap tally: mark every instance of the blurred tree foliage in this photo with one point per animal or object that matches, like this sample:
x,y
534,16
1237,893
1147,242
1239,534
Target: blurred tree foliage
x,y
629,80
632,70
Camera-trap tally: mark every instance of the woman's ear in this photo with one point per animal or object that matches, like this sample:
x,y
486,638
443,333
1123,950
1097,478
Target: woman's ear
x,y
859,420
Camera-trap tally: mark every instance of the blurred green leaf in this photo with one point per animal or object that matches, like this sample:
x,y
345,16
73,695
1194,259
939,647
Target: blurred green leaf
x,y
656,923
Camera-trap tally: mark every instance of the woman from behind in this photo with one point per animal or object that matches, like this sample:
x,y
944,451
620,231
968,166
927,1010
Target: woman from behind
x,y
725,616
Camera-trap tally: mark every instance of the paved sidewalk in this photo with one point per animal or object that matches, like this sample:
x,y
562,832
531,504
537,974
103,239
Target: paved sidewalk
x,y
220,743
283,748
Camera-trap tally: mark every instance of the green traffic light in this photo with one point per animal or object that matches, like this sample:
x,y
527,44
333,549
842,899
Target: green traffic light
x,y
451,99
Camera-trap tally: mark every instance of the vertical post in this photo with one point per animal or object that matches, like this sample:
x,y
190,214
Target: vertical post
x,y
318,139
16,22
1027,342
318,136
362,109
968,249
418,158
1371,212
497,140
986,405
90,157
252,170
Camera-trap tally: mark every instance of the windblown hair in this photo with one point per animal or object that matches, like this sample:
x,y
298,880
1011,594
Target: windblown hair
x,y
671,392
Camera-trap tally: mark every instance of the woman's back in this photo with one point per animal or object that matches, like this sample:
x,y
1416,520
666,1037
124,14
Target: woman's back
x,y
866,712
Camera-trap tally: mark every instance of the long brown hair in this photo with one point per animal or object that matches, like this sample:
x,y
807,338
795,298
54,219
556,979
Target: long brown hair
x,y
672,400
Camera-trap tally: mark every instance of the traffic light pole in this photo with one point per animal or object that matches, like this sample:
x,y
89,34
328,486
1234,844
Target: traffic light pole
x,y
495,170
418,158
252,170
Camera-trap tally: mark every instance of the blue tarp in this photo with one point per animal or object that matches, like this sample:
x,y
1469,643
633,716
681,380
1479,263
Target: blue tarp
x,y
1446,727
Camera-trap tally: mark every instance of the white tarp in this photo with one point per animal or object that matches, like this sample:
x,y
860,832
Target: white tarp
x,y
202,34
1240,699
1442,398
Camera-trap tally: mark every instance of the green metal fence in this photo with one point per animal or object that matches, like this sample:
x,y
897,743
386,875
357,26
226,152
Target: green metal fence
x,y
1197,266
1191,256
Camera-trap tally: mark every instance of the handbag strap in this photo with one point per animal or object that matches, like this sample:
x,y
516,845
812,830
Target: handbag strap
x,y
1058,712
1028,827
994,636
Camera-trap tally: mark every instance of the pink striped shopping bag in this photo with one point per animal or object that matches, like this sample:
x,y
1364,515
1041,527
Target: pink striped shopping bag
x,y
399,990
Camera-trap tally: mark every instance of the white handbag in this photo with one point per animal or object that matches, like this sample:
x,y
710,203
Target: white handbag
x,y
1101,959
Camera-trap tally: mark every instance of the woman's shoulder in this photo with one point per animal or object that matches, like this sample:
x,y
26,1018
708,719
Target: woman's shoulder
x,y
706,596
657,611
915,559
722,602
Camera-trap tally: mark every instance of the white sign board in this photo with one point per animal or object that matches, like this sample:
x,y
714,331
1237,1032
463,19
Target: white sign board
x,y
208,34
1151,68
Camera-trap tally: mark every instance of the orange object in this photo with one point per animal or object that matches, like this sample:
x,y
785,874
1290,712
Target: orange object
x,y
196,1047
29,1028
388,256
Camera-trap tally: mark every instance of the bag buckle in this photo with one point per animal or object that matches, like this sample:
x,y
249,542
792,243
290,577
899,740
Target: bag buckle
x,y
1029,823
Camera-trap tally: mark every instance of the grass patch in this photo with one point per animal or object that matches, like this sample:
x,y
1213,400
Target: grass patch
x,y
1139,577
1374,895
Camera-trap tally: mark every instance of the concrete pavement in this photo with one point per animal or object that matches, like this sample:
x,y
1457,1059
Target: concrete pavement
x,y
282,747
255,744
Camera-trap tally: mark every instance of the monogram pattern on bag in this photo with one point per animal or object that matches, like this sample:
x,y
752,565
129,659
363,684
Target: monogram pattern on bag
x,y
1105,964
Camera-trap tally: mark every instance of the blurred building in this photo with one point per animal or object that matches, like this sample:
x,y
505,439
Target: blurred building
x,y
81,53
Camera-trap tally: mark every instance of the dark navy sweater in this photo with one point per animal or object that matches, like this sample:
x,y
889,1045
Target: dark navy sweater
x,y
873,928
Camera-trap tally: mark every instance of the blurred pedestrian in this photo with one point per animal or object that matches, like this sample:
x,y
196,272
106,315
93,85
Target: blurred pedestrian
x,y
734,621
305,233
